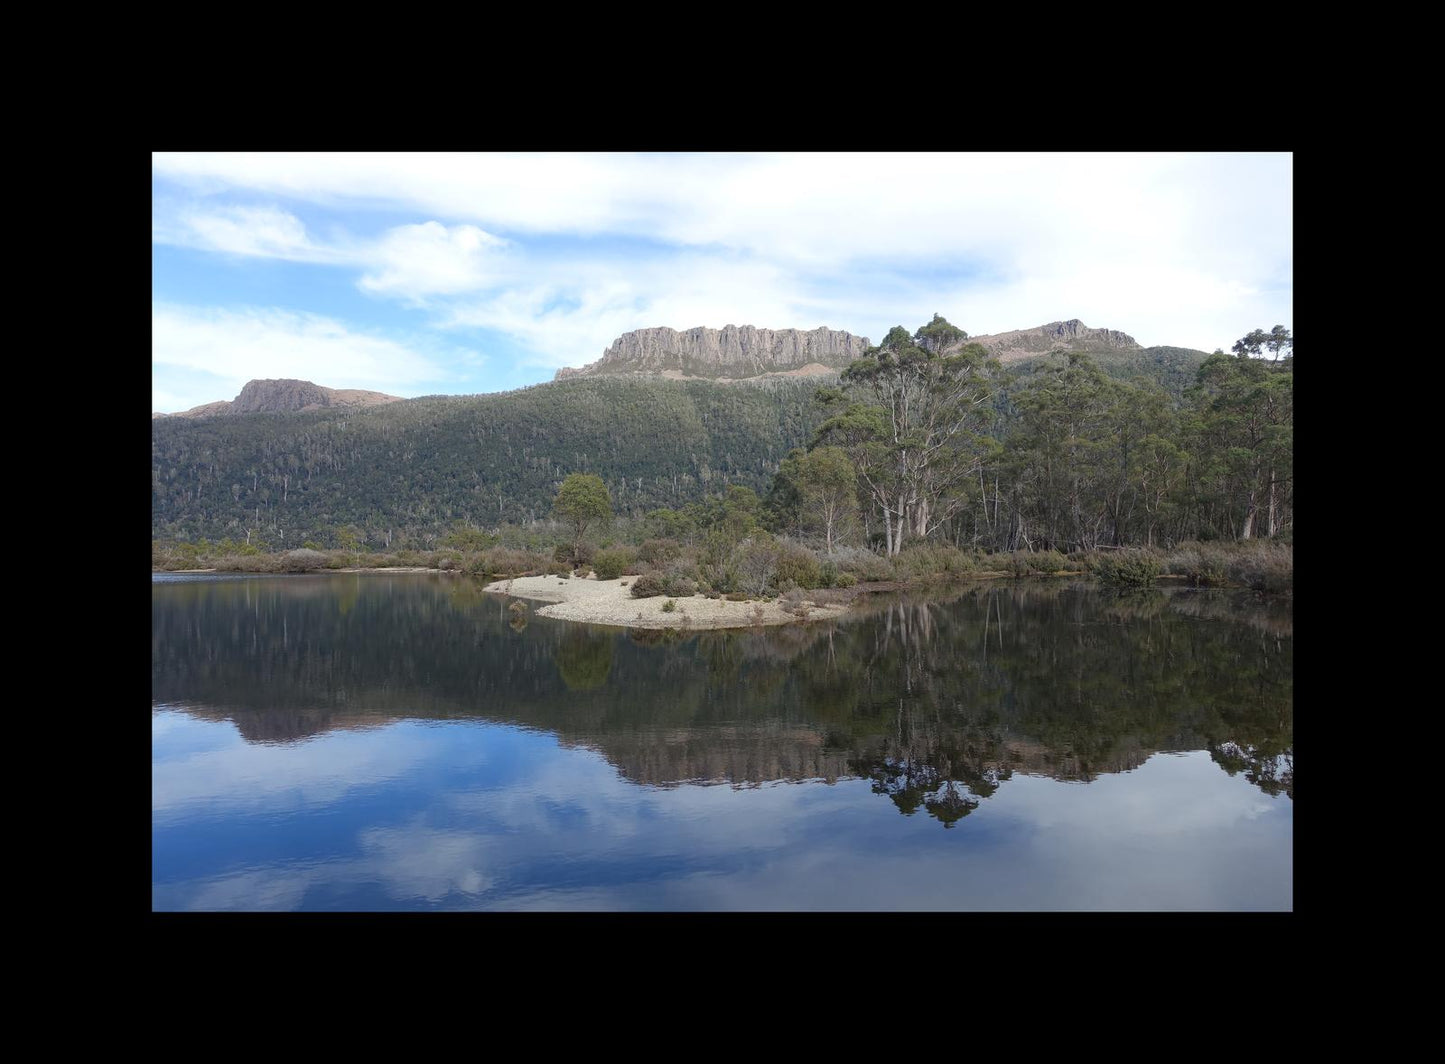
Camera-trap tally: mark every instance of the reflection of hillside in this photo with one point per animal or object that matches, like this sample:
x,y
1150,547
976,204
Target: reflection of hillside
x,y
937,701
724,754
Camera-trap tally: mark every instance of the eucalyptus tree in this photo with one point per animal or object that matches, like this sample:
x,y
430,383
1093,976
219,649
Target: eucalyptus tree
x,y
911,420
582,501
1244,433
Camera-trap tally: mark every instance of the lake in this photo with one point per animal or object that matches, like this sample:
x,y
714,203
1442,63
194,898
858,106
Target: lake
x,y
404,742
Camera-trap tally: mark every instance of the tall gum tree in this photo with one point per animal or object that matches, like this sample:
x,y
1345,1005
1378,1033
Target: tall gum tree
x,y
911,420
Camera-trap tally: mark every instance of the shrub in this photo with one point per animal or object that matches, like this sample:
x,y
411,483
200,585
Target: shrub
x,y
863,565
1047,561
680,586
1127,568
1262,565
797,566
508,561
1203,565
844,580
669,606
658,552
925,560
648,585
754,565
564,553
610,564
302,560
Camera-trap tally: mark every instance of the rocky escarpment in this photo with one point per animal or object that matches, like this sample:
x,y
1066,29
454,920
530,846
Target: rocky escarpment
x,y
285,396
1071,335
731,352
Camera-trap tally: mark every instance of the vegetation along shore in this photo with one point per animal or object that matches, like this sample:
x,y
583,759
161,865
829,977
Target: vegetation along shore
x,y
921,462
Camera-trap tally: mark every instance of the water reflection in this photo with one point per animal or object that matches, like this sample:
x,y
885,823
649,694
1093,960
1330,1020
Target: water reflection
x,y
936,701
368,741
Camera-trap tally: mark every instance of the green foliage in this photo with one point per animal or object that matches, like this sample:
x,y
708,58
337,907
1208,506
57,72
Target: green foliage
x,y
649,585
912,423
612,563
928,561
419,467
582,502
1080,452
304,560
462,537
658,552
678,585
1126,568
798,567
669,606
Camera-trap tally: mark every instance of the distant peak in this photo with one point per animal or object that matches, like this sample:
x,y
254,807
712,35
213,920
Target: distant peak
x,y
287,395
732,352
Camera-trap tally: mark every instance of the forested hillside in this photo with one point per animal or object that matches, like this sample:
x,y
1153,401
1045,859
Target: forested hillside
x,y
421,465
409,471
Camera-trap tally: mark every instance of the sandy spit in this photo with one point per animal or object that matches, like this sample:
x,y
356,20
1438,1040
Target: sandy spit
x,y
611,602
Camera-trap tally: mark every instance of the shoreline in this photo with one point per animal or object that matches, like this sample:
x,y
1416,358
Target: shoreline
x,y
610,602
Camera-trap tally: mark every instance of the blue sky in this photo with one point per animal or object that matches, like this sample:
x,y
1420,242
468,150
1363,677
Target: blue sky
x,y
420,274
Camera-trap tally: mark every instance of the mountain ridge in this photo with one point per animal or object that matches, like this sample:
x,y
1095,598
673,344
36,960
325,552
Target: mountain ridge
x,y
284,395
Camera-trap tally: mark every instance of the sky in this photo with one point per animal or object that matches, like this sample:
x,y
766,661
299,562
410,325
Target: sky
x,y
460,273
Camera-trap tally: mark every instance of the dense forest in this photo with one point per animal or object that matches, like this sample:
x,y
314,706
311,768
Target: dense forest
x,y
411,470
924,438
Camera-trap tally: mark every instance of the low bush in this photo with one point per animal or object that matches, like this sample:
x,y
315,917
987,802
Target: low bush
x,y
1133,568
303,560
612,563
658,552
648,585
798,566
669,606
679,586
1202,564
863,565
931,560
563,552
1047,561
1262,565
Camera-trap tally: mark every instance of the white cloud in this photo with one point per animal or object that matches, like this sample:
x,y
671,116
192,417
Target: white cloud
x,y
415,261
217,351
1185,249
257,231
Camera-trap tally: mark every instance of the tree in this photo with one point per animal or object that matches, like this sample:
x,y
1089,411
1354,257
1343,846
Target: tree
x,y
1244,425
916,444
829,487
581,502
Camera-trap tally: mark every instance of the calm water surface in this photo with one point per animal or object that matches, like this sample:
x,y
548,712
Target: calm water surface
x,y
401,742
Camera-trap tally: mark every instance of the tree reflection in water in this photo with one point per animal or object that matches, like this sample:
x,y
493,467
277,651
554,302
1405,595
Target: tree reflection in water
x,y
937,701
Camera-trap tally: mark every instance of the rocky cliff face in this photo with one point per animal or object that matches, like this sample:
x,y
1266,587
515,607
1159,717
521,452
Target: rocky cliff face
x,y
732,352
284,396
1071,335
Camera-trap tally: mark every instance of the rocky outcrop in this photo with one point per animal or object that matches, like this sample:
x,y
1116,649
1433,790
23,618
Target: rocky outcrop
x,y
285,396
1071,335
733,352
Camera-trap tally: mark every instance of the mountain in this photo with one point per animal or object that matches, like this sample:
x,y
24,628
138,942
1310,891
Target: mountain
x,y
285,396
730,353
425,463
306,463
1071,335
